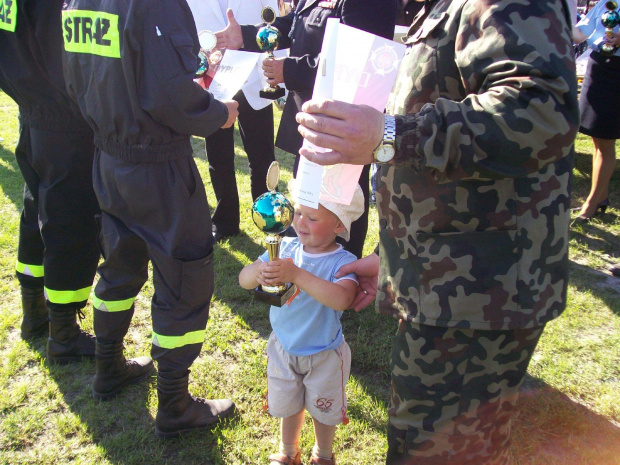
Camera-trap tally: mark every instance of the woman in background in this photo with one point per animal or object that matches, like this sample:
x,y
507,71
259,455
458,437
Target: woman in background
x,y
598,104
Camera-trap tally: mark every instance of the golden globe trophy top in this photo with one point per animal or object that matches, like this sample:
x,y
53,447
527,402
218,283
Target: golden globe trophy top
x,y
610,19
272,213
268,38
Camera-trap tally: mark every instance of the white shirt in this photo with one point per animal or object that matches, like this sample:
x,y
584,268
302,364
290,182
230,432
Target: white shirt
x,y
211,15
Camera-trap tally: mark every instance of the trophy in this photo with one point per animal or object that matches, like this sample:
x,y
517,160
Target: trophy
x,y
268,38
610,20
272,213
206,55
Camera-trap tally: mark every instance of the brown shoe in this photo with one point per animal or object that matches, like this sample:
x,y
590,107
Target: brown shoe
x,y
283,459
319,461
615,270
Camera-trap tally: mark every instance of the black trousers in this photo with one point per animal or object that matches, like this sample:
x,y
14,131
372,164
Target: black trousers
x,y
58,233
157,212
256,129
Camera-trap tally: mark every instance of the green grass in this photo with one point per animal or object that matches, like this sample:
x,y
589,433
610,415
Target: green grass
x,y
569,412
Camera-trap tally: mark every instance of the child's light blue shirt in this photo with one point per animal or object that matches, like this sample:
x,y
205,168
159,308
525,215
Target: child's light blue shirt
x,y
306,326
592,27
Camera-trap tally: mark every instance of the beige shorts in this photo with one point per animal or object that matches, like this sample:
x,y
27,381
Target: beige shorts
x,y
316,382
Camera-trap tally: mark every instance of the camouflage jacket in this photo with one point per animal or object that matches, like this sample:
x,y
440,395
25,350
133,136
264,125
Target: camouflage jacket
x,y
474,209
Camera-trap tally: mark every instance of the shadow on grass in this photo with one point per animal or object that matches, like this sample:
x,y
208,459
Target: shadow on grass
x,y
603,285
124,427
567,433
598,234
10,177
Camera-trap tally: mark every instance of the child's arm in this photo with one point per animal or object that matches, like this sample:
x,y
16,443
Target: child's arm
x,y
248,277
338,296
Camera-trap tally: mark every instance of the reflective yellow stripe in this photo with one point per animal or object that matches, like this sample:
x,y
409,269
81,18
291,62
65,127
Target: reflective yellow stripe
x,y
8,15
172,342
112,305
36,271
92,32
67,297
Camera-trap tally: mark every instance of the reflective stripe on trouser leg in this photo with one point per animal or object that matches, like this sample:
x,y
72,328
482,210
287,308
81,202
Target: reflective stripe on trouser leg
x,y
67,209
75,299
165,205
111,320
121,276
453,393
29,268
178,334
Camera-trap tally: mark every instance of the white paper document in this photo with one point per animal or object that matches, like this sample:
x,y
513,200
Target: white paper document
x,y
355,67
228,76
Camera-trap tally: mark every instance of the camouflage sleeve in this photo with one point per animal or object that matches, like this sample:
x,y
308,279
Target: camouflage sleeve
x,y
510,107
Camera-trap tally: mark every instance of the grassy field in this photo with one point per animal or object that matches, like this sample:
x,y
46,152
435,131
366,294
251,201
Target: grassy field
x,y
569,412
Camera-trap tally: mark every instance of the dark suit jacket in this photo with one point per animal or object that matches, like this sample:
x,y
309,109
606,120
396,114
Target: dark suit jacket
x,y
302,32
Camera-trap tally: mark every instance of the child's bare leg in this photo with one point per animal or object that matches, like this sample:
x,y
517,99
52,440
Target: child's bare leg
x,y
324,436
290,429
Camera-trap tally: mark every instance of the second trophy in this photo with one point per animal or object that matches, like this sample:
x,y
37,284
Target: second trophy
x,y
268,38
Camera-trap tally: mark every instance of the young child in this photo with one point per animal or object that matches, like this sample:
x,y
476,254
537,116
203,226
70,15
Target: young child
x,y
308,360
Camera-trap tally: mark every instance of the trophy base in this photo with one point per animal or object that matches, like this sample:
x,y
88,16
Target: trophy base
x,y
608,50
277,300
272,93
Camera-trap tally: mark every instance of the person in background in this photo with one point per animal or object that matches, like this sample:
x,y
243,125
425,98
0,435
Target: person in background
x,y
473,200
255,122
134,83
308,360
407,10
598,104
58,253
302,33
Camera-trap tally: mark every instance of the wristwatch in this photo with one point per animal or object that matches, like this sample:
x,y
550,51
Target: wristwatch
x,y
386,149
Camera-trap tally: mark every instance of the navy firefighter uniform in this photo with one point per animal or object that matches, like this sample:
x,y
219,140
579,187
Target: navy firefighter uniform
x,y
130,66
58,253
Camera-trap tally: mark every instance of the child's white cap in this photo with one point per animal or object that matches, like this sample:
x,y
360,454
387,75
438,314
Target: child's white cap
x,y
347,214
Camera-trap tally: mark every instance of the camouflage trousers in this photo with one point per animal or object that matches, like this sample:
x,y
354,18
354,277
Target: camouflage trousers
x,y
453,393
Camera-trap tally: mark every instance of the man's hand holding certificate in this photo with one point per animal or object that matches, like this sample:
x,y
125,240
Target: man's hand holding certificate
x,y
356,67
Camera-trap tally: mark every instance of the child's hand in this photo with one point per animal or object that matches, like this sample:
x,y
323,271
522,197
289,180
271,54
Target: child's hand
x,y
277,272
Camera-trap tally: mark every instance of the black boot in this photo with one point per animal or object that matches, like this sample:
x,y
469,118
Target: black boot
x,y
67,342
35,320
114,372
179,412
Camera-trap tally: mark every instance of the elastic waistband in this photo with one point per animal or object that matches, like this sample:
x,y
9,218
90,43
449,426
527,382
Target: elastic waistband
x,y
145,153
44,121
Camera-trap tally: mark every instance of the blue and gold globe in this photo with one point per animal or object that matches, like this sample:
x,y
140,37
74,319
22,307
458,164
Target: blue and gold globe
x,y
272,212
268,38
610,19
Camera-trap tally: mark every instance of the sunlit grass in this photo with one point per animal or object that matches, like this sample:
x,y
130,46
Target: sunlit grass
x,y
568,414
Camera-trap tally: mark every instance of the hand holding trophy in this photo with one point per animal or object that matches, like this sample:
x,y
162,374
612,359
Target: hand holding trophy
x,y
610,20
268,38
272,213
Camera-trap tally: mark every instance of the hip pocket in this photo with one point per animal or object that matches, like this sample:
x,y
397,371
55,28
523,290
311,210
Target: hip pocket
x,y
468,276
196,284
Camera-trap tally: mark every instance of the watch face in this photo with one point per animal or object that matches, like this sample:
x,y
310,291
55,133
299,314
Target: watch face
x,y
384,153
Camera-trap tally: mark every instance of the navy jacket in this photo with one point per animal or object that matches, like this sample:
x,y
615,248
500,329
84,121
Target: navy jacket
x,y
130,66
31,66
